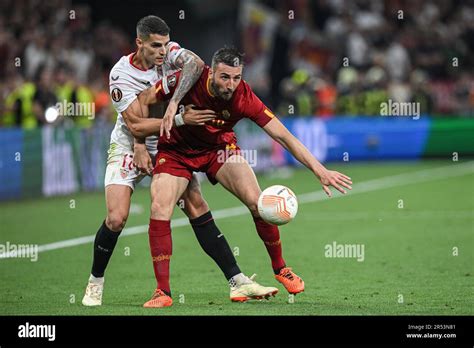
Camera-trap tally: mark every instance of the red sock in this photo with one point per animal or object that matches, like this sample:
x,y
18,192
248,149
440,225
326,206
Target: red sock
x,y
271,237
159,235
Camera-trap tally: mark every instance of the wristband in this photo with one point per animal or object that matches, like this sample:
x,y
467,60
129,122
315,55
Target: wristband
x,y
178,120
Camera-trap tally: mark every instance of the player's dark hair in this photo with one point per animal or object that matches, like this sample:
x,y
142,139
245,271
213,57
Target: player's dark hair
x,y
151,25
228,56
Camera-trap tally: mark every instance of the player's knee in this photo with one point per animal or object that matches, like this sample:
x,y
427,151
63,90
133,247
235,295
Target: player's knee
x,y
116,221
160,211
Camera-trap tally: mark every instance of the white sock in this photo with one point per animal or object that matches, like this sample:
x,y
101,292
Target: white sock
x,y
98,280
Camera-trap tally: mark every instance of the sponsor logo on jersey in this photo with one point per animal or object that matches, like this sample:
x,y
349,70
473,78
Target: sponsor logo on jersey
x,y
116,95
147,83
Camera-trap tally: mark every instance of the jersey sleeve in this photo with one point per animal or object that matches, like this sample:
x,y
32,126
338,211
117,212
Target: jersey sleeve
x,y
121,91
253,108
173,50
164,89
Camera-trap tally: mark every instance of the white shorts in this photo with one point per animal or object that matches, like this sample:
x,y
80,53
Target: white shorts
x,y
120,168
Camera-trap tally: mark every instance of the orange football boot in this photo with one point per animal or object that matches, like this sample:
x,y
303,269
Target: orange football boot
x,y
292,283
158,300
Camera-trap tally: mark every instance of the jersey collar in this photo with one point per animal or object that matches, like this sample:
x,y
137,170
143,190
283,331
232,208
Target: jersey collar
x,y
136,67
208,85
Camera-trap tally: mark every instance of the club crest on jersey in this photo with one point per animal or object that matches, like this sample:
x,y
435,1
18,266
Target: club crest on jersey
x,y
116,95
172,80
161,161
225,114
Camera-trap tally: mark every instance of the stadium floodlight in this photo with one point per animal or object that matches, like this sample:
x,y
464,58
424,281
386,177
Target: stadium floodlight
x,y
51,114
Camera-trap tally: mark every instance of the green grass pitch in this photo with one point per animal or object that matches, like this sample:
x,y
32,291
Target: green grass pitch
x,y
419,258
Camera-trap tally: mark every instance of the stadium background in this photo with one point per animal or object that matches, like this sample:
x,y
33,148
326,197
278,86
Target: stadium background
x,y
324,67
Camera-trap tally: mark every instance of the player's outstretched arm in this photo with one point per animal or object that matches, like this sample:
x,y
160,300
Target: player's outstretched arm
x,y
282,135
191,68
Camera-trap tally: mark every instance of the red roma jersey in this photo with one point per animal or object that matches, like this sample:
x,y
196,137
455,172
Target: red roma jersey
x,y
216,134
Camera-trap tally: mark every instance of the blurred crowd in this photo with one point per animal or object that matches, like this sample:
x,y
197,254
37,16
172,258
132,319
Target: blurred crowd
x,y
347,57
328,57
51,52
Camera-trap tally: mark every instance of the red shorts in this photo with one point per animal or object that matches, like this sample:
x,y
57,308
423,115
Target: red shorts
x,y
178,164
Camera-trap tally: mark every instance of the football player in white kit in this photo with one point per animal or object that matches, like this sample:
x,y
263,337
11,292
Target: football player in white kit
x,y
133,145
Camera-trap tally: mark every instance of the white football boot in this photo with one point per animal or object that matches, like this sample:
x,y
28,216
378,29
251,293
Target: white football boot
x,y
243,288
94,290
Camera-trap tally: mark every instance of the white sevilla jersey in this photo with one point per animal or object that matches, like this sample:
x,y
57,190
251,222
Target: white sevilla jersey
x,y
126,81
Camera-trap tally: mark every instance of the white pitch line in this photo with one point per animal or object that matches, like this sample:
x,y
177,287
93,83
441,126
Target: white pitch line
x,y
425,175
401,214
398,180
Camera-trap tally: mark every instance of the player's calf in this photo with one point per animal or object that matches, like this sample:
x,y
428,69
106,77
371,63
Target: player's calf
x,y
118,204
165,191
104,245
192,202
214,243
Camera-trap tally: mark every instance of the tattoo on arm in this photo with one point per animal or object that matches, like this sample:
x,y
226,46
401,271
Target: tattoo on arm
x,y
192,67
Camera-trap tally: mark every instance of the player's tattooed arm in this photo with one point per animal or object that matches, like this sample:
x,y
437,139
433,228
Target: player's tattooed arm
x,y
191,68
283,136
190,116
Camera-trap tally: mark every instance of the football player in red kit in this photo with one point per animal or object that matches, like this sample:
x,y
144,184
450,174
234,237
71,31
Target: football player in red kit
x,y
213,149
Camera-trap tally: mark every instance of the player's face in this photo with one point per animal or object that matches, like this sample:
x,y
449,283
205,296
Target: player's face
x,y
153,49
225,79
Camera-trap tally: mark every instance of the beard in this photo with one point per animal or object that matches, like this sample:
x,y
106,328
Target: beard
x,y
222,94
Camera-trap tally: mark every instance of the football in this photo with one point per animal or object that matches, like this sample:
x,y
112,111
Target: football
x,y
277,205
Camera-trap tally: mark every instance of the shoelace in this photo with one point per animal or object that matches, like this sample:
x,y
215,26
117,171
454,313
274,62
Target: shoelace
x,y
158,293
251,279
288,274
246,281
